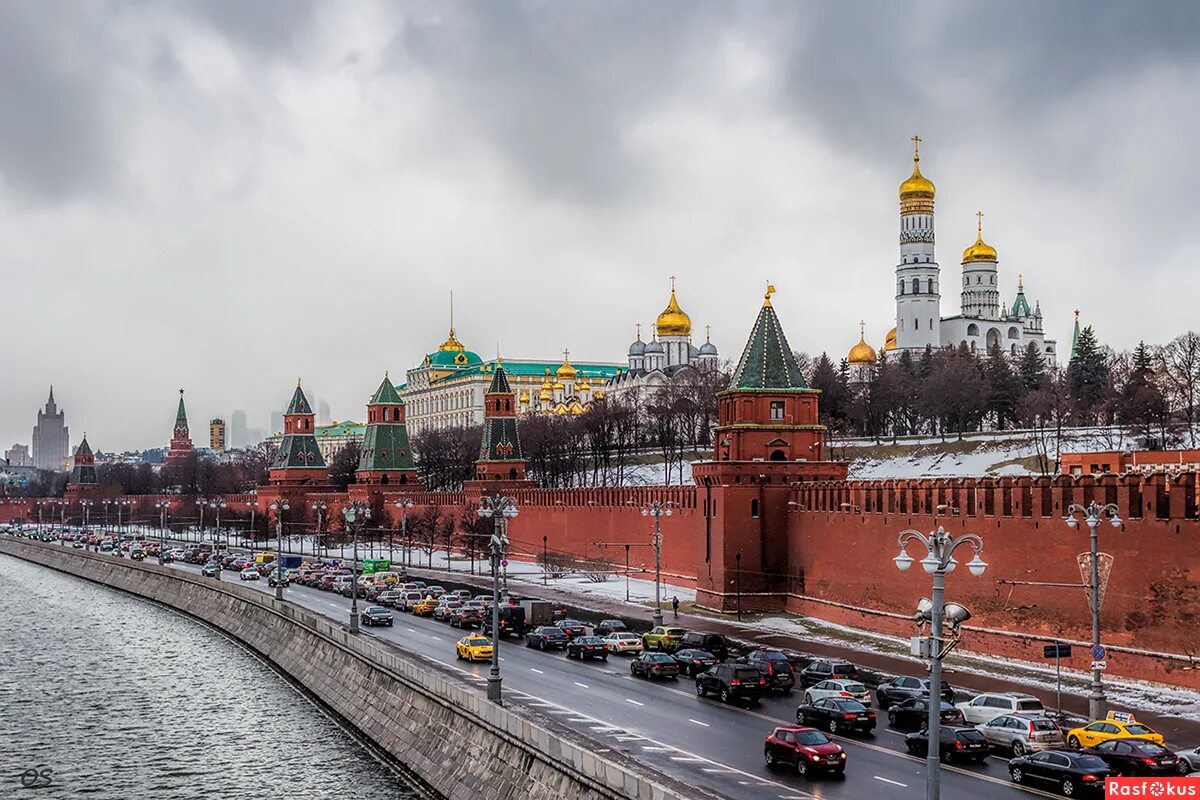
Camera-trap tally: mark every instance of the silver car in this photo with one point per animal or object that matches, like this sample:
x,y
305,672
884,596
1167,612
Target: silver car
x,y
986,707
1020,734
1189,760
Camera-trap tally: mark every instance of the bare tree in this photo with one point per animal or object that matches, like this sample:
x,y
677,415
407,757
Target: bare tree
x,y
1180,362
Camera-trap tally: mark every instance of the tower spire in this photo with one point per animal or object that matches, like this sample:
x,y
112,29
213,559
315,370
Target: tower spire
x,y
767,295
916,140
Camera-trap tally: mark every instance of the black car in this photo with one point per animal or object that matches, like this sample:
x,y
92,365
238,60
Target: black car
x,y
211,570
1135,757
375,615
913,713
654,665
275,578
731,682
571,627
903,687
957,744
547,637
512,621
713,643
583,647
1069,772
607,626
693,662
775,667
167,556
826,670
837,715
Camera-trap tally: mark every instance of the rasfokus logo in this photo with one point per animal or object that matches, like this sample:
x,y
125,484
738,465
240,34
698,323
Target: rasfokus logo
x,y
1152,787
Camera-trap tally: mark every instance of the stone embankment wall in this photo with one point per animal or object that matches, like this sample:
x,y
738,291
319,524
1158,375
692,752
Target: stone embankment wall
x,y
446,735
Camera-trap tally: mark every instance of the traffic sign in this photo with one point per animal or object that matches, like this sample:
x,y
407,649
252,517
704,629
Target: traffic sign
x,y
1056,651
1099,665
1098,652
504,563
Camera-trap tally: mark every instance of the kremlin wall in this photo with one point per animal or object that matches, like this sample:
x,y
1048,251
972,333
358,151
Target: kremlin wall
x,y
770,524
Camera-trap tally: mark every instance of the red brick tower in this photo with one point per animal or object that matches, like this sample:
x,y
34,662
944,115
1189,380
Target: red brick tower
x,y
298,462
501,459
82,482
767,438
181,439
386,459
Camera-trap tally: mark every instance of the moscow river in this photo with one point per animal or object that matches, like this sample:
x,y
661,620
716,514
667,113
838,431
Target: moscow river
x,y
105,695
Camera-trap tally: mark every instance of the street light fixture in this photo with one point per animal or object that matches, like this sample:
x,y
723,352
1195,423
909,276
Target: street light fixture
x,y
162,506
320,507
939,559
404,504
279,506
356,515
500,510
87,507
1093,514
657,509
218,505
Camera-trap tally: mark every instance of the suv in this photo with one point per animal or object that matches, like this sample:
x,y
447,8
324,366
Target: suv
x,y
713,643
1023,734
905,686
731,682
775,667
663,637
986,707
957,744
824,670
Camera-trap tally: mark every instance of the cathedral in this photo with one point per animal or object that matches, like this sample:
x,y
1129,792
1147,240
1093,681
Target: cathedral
x,y
983,320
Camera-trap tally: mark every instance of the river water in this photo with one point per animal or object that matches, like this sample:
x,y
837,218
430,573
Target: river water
x,y
105,695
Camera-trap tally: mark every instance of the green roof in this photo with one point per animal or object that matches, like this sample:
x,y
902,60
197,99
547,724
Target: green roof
x,y
299,404
767,362
523,370
385,447
1020,306
499,384
454,358
348,428
298,451
386,395
181,414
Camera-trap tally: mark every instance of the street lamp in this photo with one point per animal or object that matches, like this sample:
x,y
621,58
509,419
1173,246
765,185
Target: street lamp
x,y
1093,514
200,504
218,505
253,504
279,506
500,510
939,559
657,509
404,504
123,503
162,506
356,515
737,557
319,506
87,507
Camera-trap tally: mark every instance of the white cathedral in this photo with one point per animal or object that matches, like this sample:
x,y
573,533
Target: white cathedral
x,y
983,321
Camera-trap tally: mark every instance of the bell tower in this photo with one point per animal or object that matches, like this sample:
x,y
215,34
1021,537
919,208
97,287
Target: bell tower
x,y
918,277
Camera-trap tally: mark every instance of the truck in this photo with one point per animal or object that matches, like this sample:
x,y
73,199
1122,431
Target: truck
x,y
291,562
537,612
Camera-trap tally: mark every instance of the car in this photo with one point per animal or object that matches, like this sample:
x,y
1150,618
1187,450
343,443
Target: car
x,y
424,608
375,615
806,750
571,627
775,667
913,713
957,744
607,626
211,570
1021,734
1070,773
547,637
623,642
387,598
462,594
824,669
166,556
1189,760
583,647
838,689
274,578
1103,730
409,599
731,682
693,662
713,643
77,544
662,637
512,620
474,647
470,615
1136,757
837,714
986,707
444,610
902,687
249,574
654,665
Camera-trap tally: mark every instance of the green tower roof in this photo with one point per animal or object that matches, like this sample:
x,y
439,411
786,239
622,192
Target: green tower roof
x,y
767,362
386,394
299,404
181,414
499,384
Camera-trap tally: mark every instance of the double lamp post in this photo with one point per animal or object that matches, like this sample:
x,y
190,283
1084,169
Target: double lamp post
x,y
500,510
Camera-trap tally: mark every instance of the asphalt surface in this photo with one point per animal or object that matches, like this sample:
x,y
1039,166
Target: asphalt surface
x,y
664,724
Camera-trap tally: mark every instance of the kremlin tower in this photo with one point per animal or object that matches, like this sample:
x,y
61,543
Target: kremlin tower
x,y
386,454
181,440
298,461
500,454
918,294
83,471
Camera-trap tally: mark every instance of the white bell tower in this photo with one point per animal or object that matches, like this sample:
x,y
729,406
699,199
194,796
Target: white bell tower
x,y
918,278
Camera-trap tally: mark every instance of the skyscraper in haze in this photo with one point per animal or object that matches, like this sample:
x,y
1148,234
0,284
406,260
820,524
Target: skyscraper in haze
x,y
276,422
51,437
323,416
239,436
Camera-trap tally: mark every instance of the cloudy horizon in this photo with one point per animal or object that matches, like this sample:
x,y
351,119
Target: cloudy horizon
x,y
223,196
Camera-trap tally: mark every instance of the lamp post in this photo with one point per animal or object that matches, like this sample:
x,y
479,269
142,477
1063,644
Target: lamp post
x,y
626,573
404,504
40,508
356,514
200,534
738,585
106,503
320,507
127,505
546,559
657,509
500,510
253,504
87,507
162,506
218,505
1093,514
939,546
279,506
62,513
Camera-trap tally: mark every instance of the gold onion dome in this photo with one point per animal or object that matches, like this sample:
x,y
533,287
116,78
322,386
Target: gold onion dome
x,y
673,321
451,343
981,250
889,344
566,370
917,187
862,353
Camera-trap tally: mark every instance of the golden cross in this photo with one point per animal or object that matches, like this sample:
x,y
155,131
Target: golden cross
x,y
916,140
639,331
979,222
566,356
708,333
672,283
862,329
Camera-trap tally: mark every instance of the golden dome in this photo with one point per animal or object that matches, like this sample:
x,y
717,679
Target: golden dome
x,y
981,250
917,187
546,382
566,371
545,395
524,396
584,385
452,343
673,321
889,344
862,353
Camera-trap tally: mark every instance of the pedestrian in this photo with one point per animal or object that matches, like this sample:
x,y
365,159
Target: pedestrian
x,y
675,606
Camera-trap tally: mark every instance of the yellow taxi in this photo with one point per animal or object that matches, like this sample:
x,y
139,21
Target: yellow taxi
x,y
424,608
1103,730
474,648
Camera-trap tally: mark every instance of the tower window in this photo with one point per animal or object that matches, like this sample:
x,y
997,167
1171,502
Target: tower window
x,y
916,324
916,285
777,409
754,508
901,287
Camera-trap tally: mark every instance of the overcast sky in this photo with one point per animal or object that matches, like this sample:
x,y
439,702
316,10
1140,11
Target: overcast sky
x,y
225,195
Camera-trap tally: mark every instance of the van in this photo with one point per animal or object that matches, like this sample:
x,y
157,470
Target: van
x,y
408,600
387,577
262,558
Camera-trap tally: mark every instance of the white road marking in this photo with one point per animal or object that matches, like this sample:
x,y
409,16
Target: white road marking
x,y
578,719
411,630
713,769
687,758
436,638
889,780
655,749
535,669
635,702
698,722
582,685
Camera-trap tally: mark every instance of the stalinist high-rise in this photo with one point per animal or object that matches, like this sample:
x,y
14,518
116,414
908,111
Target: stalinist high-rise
x,y
51,437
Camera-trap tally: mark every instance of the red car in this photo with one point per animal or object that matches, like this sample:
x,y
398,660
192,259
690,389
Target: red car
x,y
806,749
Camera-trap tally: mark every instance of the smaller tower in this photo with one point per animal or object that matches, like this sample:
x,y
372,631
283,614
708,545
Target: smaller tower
x,y
980,294
500,454
83,470
386,455
637,352
708,356
861,358
298,462
181,440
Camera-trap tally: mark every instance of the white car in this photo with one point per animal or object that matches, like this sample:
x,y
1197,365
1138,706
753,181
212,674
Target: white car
x,y
984,708
1190,758
838,689
249,574
623,642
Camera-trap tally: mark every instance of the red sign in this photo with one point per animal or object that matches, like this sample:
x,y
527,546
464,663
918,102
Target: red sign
x,y
1152,788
